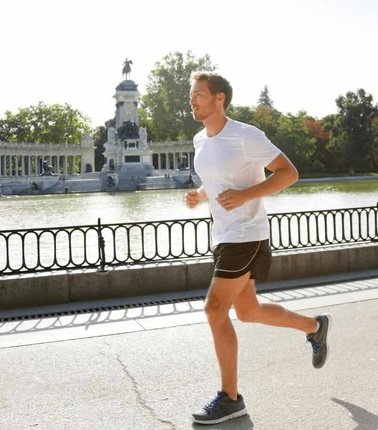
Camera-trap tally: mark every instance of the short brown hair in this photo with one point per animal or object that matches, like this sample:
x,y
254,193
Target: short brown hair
x,y
216,83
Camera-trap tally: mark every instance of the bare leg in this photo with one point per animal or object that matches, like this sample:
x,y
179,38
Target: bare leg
x,y
248,309
241,293
221,295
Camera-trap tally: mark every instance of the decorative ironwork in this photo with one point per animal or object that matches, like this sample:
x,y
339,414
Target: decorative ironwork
x,y
101,245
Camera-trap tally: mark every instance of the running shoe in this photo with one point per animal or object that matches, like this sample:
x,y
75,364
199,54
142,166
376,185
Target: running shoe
x,y
221,409
318,340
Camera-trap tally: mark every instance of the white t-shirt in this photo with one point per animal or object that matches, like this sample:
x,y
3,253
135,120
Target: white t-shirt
x,y
234,159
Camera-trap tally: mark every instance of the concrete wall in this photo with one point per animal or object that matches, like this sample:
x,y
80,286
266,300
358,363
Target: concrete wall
x,y
25,291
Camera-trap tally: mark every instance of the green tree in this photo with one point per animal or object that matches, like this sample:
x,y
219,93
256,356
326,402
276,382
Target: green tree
x,y
321,137
373,156
266,119
168,114
264,99
241,113
355,122
44,124
335,161
293,139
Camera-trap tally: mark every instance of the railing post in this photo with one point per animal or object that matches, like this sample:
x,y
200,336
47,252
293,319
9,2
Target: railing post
x,y
101,247
375,239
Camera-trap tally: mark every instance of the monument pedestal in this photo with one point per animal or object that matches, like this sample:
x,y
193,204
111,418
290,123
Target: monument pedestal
x,y
128,157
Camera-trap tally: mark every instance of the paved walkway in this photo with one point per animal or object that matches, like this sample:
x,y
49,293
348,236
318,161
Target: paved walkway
x,y
147,368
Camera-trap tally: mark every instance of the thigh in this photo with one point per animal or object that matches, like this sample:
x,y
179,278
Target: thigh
x,y
246,301
223,291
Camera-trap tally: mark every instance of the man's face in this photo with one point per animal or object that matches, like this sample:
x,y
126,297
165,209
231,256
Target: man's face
x,y
202,102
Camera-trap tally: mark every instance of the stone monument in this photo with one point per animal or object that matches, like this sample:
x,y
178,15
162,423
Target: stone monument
x,y
127,154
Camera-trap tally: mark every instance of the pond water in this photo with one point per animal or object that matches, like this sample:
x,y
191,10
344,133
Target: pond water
x,y
82,209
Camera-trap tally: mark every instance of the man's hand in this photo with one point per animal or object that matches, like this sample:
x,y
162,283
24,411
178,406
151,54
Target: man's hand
x,y
231,199
192,198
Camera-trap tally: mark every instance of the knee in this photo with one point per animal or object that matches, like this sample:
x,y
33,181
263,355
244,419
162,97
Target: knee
x,y
251,314
215,310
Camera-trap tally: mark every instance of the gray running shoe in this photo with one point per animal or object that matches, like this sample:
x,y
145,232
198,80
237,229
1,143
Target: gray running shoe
x,y
222,408
318,340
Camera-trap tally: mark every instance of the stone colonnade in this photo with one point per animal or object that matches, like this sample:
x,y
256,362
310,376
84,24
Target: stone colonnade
x,y
27,159
31,159
32,165
170,155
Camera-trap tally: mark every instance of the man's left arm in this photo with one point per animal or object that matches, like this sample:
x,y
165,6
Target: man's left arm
x,y
283,175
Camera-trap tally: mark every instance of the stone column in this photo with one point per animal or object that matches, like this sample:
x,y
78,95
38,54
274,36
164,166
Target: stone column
x,y
191,158
56,168
167,161
23,165
127,99
60,164
65,165
15,161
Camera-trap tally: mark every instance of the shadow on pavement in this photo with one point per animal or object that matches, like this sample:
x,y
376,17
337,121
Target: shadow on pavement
x,y
365,419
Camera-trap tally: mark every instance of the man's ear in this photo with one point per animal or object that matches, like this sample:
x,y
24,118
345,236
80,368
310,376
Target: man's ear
x,y
221,97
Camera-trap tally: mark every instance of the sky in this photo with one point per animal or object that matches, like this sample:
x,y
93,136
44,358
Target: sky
x,y
308,52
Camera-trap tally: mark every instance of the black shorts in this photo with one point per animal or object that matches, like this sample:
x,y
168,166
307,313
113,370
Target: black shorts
x,y
233,260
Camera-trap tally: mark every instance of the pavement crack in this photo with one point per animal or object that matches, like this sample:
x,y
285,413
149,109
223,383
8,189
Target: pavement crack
x,y
140,398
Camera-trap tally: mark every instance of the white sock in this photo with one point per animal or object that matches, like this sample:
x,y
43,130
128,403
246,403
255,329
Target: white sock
x,y
317,326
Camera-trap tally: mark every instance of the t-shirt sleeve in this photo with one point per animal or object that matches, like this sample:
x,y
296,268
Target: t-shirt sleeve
x,y
258,148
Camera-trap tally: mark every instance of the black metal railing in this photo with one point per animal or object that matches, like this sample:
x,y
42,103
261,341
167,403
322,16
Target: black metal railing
x,y
101,245
323,227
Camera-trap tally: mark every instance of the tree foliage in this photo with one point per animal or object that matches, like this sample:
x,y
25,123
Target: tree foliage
x,y
266,119
352,141
264,99
320,137
355,125
168,114
373,155
293,139
44,124
241,113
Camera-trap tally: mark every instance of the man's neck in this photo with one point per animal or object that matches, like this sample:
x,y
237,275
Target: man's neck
x,y
215,125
